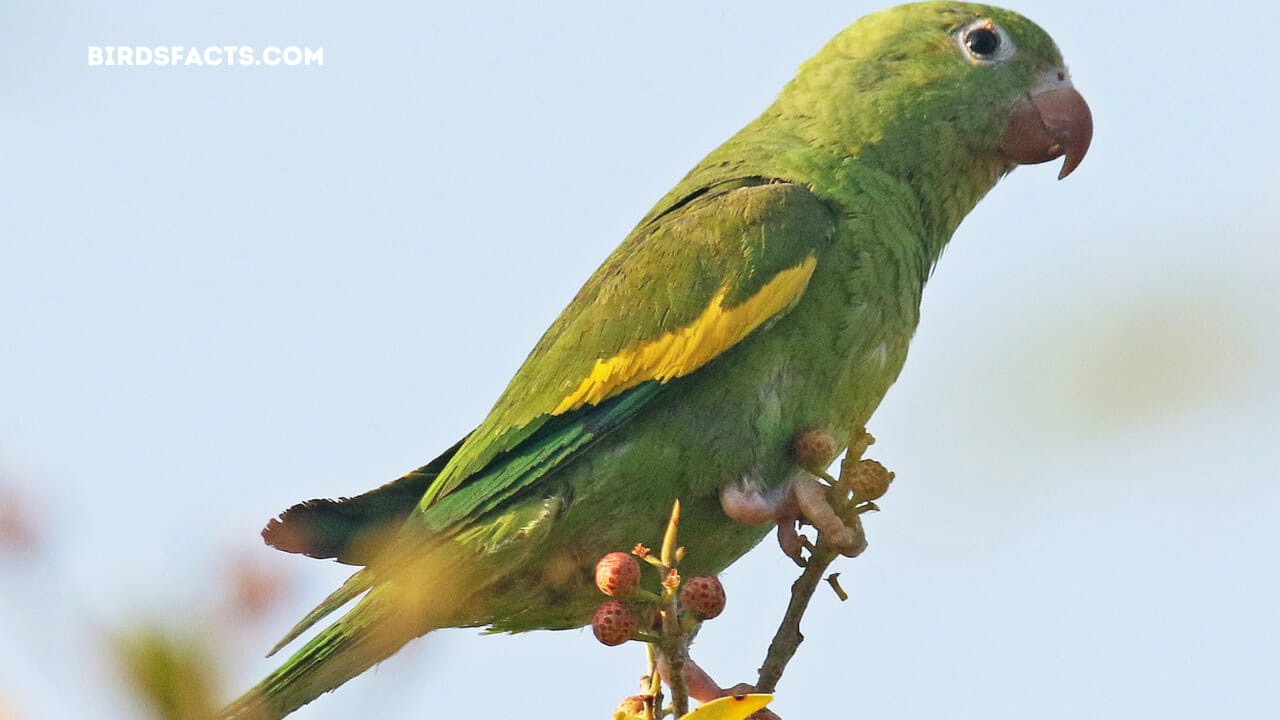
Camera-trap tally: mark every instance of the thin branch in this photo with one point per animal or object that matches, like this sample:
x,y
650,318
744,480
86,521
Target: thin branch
x,y
653,708
788,637
674,646
675,652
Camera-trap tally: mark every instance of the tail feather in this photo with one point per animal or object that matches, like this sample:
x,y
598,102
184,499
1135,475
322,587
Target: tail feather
x,y
408,599
354,586
353,530
365,636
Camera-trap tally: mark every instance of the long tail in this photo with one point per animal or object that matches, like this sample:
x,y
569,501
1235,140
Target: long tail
x,y
354,531
368,634
354,587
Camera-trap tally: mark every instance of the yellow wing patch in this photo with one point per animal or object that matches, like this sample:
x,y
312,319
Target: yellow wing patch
x,y
680,352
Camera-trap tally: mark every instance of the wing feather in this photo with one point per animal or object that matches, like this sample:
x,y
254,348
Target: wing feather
x,y
687,285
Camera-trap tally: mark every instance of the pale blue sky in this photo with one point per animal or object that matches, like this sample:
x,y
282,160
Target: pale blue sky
x,y
226,290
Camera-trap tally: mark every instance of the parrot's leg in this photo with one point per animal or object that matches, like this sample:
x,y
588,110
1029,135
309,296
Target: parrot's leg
x,y
700,685
704,689
801,498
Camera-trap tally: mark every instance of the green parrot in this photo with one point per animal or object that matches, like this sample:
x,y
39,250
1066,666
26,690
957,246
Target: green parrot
x,y
774,290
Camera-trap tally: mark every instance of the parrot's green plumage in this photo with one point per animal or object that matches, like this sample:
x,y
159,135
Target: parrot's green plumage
x,y
775,289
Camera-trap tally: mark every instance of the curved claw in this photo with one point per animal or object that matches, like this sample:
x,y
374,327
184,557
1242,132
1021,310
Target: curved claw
x,y
747,689
790,542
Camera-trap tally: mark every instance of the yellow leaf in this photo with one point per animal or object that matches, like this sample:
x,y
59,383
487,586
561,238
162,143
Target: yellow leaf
x,y
735,707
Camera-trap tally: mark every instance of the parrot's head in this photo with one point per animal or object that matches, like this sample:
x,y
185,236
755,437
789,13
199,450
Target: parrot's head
x,y
955,81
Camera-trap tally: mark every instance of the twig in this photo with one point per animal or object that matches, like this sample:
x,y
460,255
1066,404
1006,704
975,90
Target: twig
x,y
788,637
653,709
675,653
674,646
834,581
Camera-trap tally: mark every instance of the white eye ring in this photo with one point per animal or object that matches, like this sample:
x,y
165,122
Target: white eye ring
x,y
984,42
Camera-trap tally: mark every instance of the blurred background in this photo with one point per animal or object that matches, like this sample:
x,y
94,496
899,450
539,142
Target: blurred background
x,y
224,290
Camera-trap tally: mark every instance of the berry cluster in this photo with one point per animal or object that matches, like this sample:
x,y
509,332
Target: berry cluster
x,y
618,576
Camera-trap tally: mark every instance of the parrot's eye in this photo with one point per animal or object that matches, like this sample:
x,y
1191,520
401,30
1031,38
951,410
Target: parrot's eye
x,y
985,42
982,42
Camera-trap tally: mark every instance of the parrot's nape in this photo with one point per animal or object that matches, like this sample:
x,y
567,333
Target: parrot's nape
x,y
774,290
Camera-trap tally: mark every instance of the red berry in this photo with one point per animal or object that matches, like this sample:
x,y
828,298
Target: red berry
x,y
617,574
703,596
613,623
633,708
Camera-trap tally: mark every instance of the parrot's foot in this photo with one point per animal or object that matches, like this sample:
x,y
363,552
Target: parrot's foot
x,y
704,689
696,680
801,499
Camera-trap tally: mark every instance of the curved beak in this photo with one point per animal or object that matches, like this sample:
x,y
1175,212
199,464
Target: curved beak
x,y
1052,121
